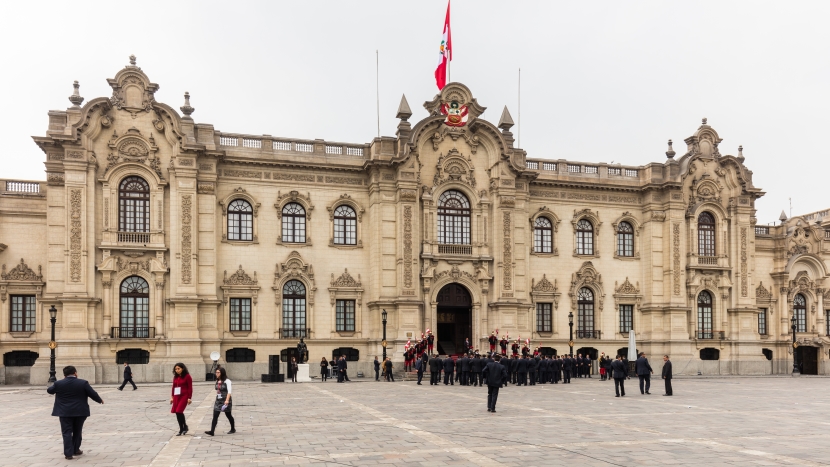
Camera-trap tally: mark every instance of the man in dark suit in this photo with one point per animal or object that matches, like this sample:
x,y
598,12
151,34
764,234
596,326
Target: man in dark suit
x,y
567,369
521,369
72,408
587,362
449,366
476,365
128,377
620,373
420,365
496,375
532,368
434,370
644,372
667,374
464,363
505,362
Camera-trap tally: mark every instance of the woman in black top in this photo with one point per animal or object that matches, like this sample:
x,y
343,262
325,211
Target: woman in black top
x,y
324,369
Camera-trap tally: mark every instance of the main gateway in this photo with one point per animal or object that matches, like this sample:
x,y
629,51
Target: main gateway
x,y
160,240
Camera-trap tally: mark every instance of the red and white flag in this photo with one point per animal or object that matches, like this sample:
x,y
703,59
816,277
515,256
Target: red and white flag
x,y
445,54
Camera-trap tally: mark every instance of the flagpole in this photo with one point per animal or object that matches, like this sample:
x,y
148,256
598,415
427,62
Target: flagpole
x,y
377,86
519,135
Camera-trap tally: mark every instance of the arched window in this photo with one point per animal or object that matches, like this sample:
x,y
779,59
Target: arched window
x,y
704,315
584,237
800,312
453,218
240,221
625,239
134,205
293,223
345,225
293,309
706,234
135,309
585,313
542,235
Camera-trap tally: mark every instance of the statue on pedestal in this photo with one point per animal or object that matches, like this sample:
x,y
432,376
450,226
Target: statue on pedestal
x,y
302,351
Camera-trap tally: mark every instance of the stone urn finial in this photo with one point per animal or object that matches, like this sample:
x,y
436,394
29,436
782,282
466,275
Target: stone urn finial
x,y
132,60
670,153
186,108
76,98
741,157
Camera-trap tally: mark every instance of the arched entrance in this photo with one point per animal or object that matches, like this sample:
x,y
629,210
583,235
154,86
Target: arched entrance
x,y
455,322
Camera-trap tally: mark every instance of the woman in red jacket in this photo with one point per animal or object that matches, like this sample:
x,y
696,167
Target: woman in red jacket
x,y
180,395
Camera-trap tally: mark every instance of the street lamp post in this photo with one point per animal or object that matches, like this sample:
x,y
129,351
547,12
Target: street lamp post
x,y
795,347
53,315
571,325
383,316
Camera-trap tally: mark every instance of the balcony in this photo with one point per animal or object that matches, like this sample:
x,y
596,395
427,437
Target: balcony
x,y
460,250
294,332
134,237
581,334
711,335
707,260
132,333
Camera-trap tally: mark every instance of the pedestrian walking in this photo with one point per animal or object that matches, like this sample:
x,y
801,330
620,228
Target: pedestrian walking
x,y
644,373
620,373
343,367
667,375
377,368
387,367
72,409
292,369
181,395
496,374
128,377
324,369
223,402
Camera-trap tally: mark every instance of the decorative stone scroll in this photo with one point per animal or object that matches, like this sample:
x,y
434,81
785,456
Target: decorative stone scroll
x,y
240,284
187,244
407,245
587,276
544,291
22,279
75,234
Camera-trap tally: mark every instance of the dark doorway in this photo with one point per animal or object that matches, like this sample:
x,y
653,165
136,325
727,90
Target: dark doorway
x,y
454,319
286,355
589,351
807,360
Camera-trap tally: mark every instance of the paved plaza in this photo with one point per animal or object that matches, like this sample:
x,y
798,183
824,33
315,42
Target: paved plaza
x,y
709,421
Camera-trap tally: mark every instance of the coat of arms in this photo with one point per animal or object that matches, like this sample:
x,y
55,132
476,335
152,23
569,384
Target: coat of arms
x,y
455,112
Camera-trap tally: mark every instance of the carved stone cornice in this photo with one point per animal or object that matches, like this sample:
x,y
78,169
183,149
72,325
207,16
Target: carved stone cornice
x,y
21,272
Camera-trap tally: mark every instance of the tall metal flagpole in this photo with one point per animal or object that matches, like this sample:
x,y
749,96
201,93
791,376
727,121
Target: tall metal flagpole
x,y
519,139
377,86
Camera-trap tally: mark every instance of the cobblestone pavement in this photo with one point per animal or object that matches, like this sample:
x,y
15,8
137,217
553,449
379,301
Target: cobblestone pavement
x,y
726,421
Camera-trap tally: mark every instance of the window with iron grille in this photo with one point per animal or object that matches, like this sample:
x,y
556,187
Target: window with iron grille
x,y
704,315
293,309
584,237
240,355
542,235
135,308
132,357
19,358
626,316
240,314
625,239
23,313
134,205
352,355
706,234
800,312
585,309
453,218
240,221
293,223
345,225
762,322
544,317
345,315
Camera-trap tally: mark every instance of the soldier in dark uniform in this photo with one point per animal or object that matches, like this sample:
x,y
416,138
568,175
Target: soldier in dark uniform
x,y
430,342
463,368
493,341
476,365
449,366
505,362
503,344
514,348
434,370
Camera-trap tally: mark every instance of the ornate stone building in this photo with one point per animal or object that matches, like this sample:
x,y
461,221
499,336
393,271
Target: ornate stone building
x,y
160,240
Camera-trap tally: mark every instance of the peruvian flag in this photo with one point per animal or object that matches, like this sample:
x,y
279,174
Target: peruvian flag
x,y
445,53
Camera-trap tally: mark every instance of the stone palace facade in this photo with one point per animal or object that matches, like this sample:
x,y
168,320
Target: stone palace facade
x,y
160,240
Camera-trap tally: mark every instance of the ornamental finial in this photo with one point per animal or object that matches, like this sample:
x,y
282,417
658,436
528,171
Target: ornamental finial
x,y
76,98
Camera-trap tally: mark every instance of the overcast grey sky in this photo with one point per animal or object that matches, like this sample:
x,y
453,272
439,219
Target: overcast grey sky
x,y
601,81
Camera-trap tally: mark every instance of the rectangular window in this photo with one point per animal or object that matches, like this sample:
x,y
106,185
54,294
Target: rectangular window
x,y
23,313
762,322
544,317
626,313
345,315
584,243
240,314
